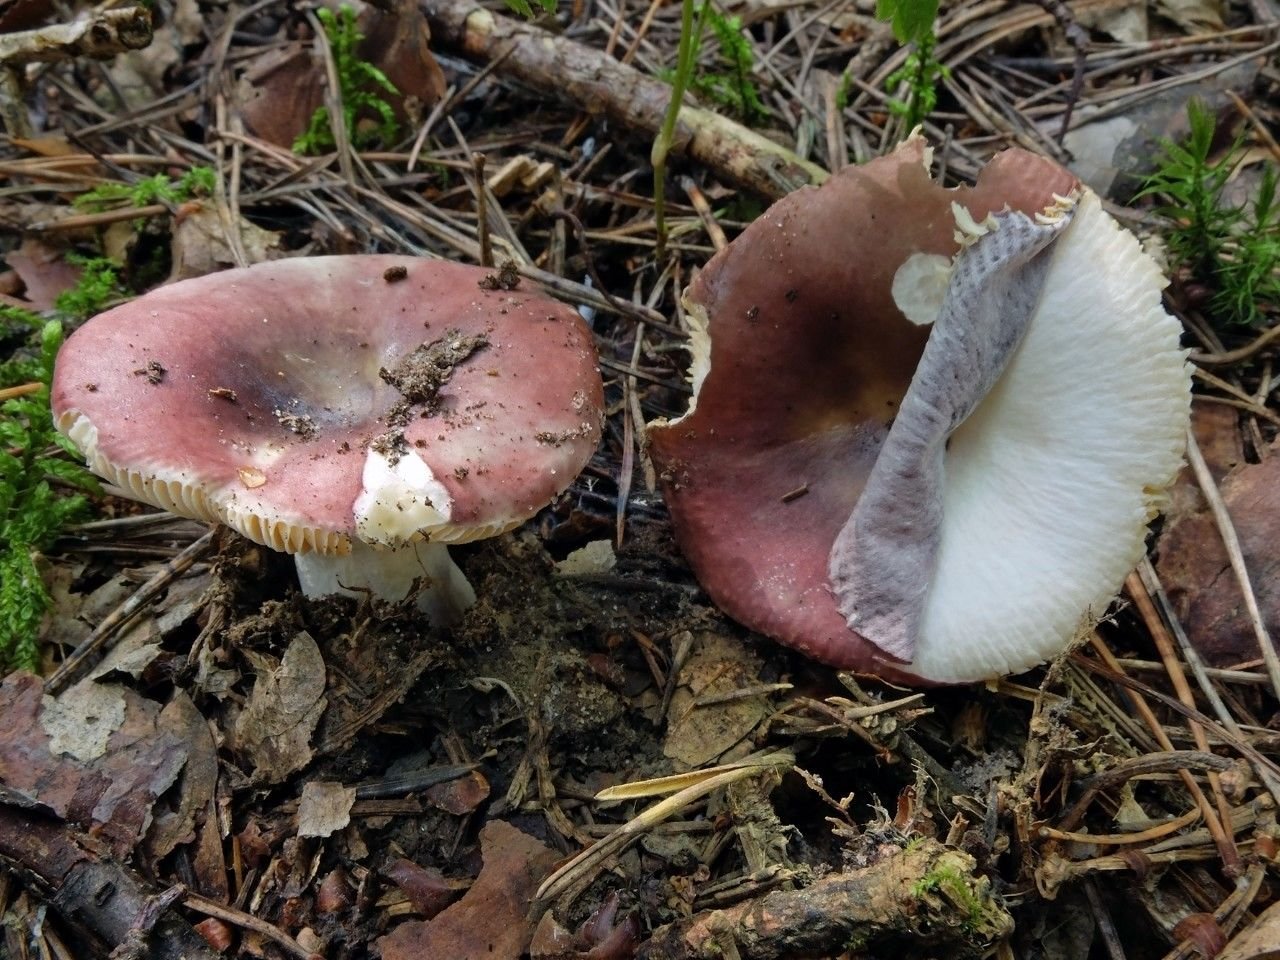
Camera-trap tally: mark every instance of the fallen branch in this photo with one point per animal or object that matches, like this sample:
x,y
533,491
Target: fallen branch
x,y
101,899
923,894
558,66
100,36
103,35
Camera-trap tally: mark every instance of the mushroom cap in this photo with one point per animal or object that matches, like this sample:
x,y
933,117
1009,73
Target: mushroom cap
x,y
254,397
802,357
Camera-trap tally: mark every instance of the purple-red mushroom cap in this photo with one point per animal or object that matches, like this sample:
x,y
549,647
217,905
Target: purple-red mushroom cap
x,y
940,513
321,404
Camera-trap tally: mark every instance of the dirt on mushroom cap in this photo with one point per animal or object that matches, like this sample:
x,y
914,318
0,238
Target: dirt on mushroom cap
x,y
308,337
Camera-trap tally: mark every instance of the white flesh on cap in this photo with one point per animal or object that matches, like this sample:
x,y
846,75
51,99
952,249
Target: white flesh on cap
x,y
400,500
920,286
1047,487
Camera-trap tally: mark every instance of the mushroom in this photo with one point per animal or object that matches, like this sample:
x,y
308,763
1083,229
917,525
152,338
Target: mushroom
x,y
931,503
360,412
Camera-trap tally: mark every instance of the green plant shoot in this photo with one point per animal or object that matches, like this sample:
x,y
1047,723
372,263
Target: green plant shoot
x,y
159,188
918,78
361,87
733,88
686,60
525,9
1234,250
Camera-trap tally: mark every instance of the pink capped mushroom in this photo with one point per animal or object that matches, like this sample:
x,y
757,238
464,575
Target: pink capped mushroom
x,y
930,426
360,412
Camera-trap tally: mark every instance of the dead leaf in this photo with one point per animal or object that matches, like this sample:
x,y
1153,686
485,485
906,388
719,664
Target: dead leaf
x,y
398,41
44,271
488,923
279,93
112,792
596,557
1193,16
1258,941
176,824
200,245
24,14
1217,430
697,735
325,808
1127,24
425,887
286,703
1196,572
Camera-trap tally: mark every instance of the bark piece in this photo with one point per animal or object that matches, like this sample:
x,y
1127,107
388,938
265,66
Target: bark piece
x,y
112,791
924,894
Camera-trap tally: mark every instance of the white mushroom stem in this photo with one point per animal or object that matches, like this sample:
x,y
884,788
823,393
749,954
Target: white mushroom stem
x,y
391,573
400,498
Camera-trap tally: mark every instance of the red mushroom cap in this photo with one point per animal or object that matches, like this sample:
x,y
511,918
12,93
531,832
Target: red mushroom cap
x,y
260,397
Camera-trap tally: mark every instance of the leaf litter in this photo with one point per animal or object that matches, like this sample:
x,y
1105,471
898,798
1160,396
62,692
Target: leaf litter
x,y
341,778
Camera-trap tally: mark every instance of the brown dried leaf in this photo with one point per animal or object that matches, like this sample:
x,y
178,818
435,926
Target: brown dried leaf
x,y
488,923
200,244
286,703
1258,941
325,808
425,887
280,92
1217,431
1202,930
199,778
459,796
1197,574
44,271
697,735
113,783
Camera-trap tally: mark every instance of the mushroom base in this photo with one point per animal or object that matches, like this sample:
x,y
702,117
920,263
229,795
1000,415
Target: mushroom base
x,y
392,574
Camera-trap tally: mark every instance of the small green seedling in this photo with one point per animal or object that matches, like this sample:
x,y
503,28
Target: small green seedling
x,y
733,87
1234,250
915,85
159,188
361,86
917,82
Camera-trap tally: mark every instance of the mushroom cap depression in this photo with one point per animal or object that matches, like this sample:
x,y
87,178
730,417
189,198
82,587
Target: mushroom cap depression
x,y
807,338
312,401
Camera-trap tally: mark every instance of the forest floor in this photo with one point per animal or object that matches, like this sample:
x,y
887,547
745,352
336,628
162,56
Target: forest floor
x,y
206,763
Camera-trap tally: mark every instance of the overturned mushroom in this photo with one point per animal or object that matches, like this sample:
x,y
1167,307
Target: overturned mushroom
x,y
360,412
947,511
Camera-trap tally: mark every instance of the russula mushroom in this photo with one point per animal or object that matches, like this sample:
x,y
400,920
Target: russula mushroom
x,y
940,503
360,412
